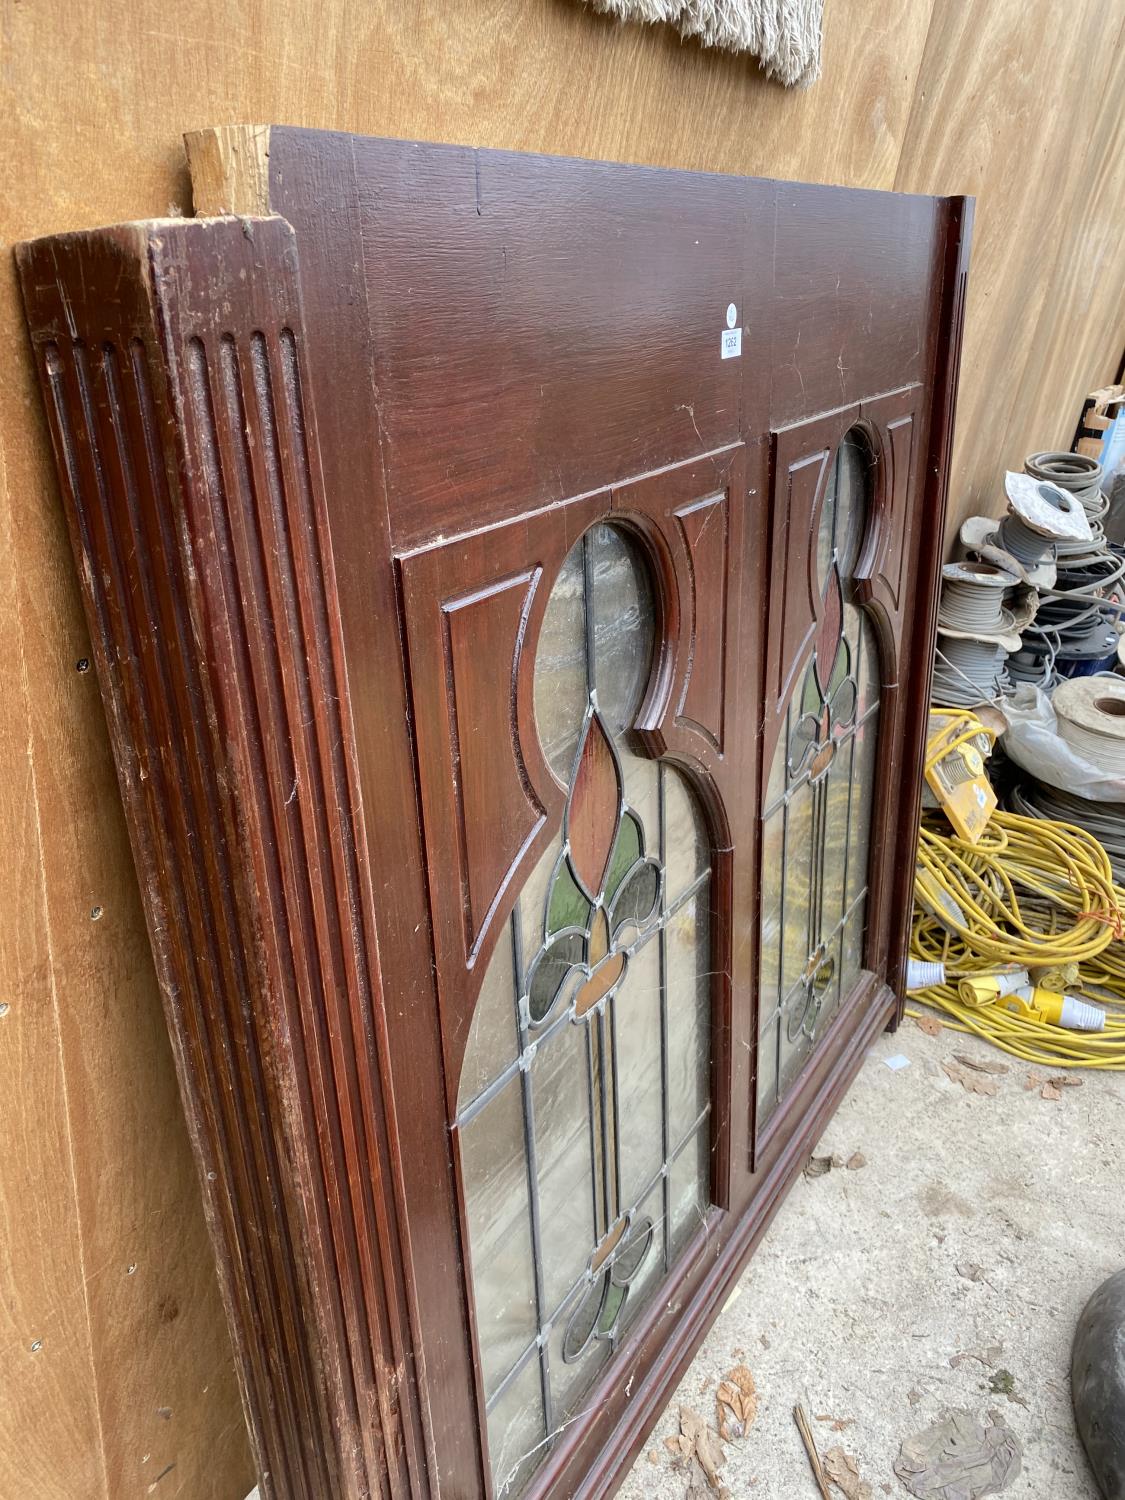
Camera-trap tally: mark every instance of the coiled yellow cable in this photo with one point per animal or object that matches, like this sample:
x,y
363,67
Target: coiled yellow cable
x,y
1031,894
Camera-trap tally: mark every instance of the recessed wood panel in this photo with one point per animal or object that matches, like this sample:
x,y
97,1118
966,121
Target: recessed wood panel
x,y
704,525
485,766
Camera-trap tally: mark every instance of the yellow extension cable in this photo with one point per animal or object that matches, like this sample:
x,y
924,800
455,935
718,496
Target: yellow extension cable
x,y
1031,894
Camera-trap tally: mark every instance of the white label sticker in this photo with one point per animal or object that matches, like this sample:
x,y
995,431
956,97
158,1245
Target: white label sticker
x,y
732,343
732,315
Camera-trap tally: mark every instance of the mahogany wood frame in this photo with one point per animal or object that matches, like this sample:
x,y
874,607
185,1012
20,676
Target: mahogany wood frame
x,y
289,445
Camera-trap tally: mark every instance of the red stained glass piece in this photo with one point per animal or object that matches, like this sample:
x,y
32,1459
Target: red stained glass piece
x,y
595,806
829,631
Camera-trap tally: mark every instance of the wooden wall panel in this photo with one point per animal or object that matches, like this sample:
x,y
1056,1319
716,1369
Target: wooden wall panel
x,y
1023,108
1020,103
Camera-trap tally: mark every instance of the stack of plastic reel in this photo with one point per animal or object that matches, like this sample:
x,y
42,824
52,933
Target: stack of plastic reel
x,y
976,631
1042,519
1076,628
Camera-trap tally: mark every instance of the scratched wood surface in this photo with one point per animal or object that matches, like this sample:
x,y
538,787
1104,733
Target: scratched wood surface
x,y
114,1360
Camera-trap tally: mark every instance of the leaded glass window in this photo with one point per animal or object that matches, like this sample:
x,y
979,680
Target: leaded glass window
x,y
583,1113
818,805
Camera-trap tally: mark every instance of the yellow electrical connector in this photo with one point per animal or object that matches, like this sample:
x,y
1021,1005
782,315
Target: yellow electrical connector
x,y
955,773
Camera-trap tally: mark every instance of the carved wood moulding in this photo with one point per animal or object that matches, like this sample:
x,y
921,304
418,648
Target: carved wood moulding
x,y
512,586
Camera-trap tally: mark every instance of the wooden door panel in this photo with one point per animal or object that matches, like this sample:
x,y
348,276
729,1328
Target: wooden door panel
x,y
373,425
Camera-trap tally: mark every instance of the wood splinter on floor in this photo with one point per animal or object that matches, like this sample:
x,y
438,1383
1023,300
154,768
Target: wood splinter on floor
x,y
804,1429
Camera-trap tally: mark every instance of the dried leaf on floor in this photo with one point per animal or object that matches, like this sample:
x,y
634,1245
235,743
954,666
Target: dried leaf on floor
x,y
1065,1081
1050,1091
702,1444
842,1469
818,1165
855,1161
929,1024
982,1064
958,1459
972,1083
736,1402
970,1270
1032,1081
839,1424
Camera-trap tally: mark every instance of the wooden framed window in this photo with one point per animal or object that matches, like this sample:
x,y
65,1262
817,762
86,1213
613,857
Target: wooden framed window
x,y
512,584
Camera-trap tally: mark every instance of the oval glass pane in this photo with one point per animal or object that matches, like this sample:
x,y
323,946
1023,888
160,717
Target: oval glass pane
x,y
623,621
561,687
843,516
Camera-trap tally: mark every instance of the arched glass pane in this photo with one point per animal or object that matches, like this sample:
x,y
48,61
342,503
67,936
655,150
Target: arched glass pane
x,y
586,1135
818,805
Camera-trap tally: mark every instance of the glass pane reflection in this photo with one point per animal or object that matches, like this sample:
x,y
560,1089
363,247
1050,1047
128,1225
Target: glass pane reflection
x,y
819,804
589,1057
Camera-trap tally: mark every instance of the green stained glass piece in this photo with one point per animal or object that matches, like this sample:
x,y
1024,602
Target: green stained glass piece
x,y
840,667
611,1308
636,900
810,694
584,1319
626,851
632,1254
550,970
567,906
843,704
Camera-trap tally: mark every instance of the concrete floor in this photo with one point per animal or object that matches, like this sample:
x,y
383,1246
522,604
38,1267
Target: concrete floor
x,y
854,1305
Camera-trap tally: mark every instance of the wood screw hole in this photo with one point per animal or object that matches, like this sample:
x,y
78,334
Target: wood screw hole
x,y
82,664
96,913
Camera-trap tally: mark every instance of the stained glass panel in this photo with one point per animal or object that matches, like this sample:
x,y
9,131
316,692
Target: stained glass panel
x,y
818,805
584,1114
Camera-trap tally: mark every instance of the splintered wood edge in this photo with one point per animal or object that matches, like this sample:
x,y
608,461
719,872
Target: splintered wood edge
x,y
229,167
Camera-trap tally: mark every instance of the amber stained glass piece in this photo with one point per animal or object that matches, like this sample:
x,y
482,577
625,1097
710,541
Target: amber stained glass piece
x,y
594,808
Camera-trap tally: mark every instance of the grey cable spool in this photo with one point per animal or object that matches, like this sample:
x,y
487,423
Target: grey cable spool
x,y
968,673
1091,718
1042,517
1077,473
972,598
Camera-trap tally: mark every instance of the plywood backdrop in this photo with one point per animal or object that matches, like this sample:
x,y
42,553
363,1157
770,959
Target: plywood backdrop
x,y
114,1364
